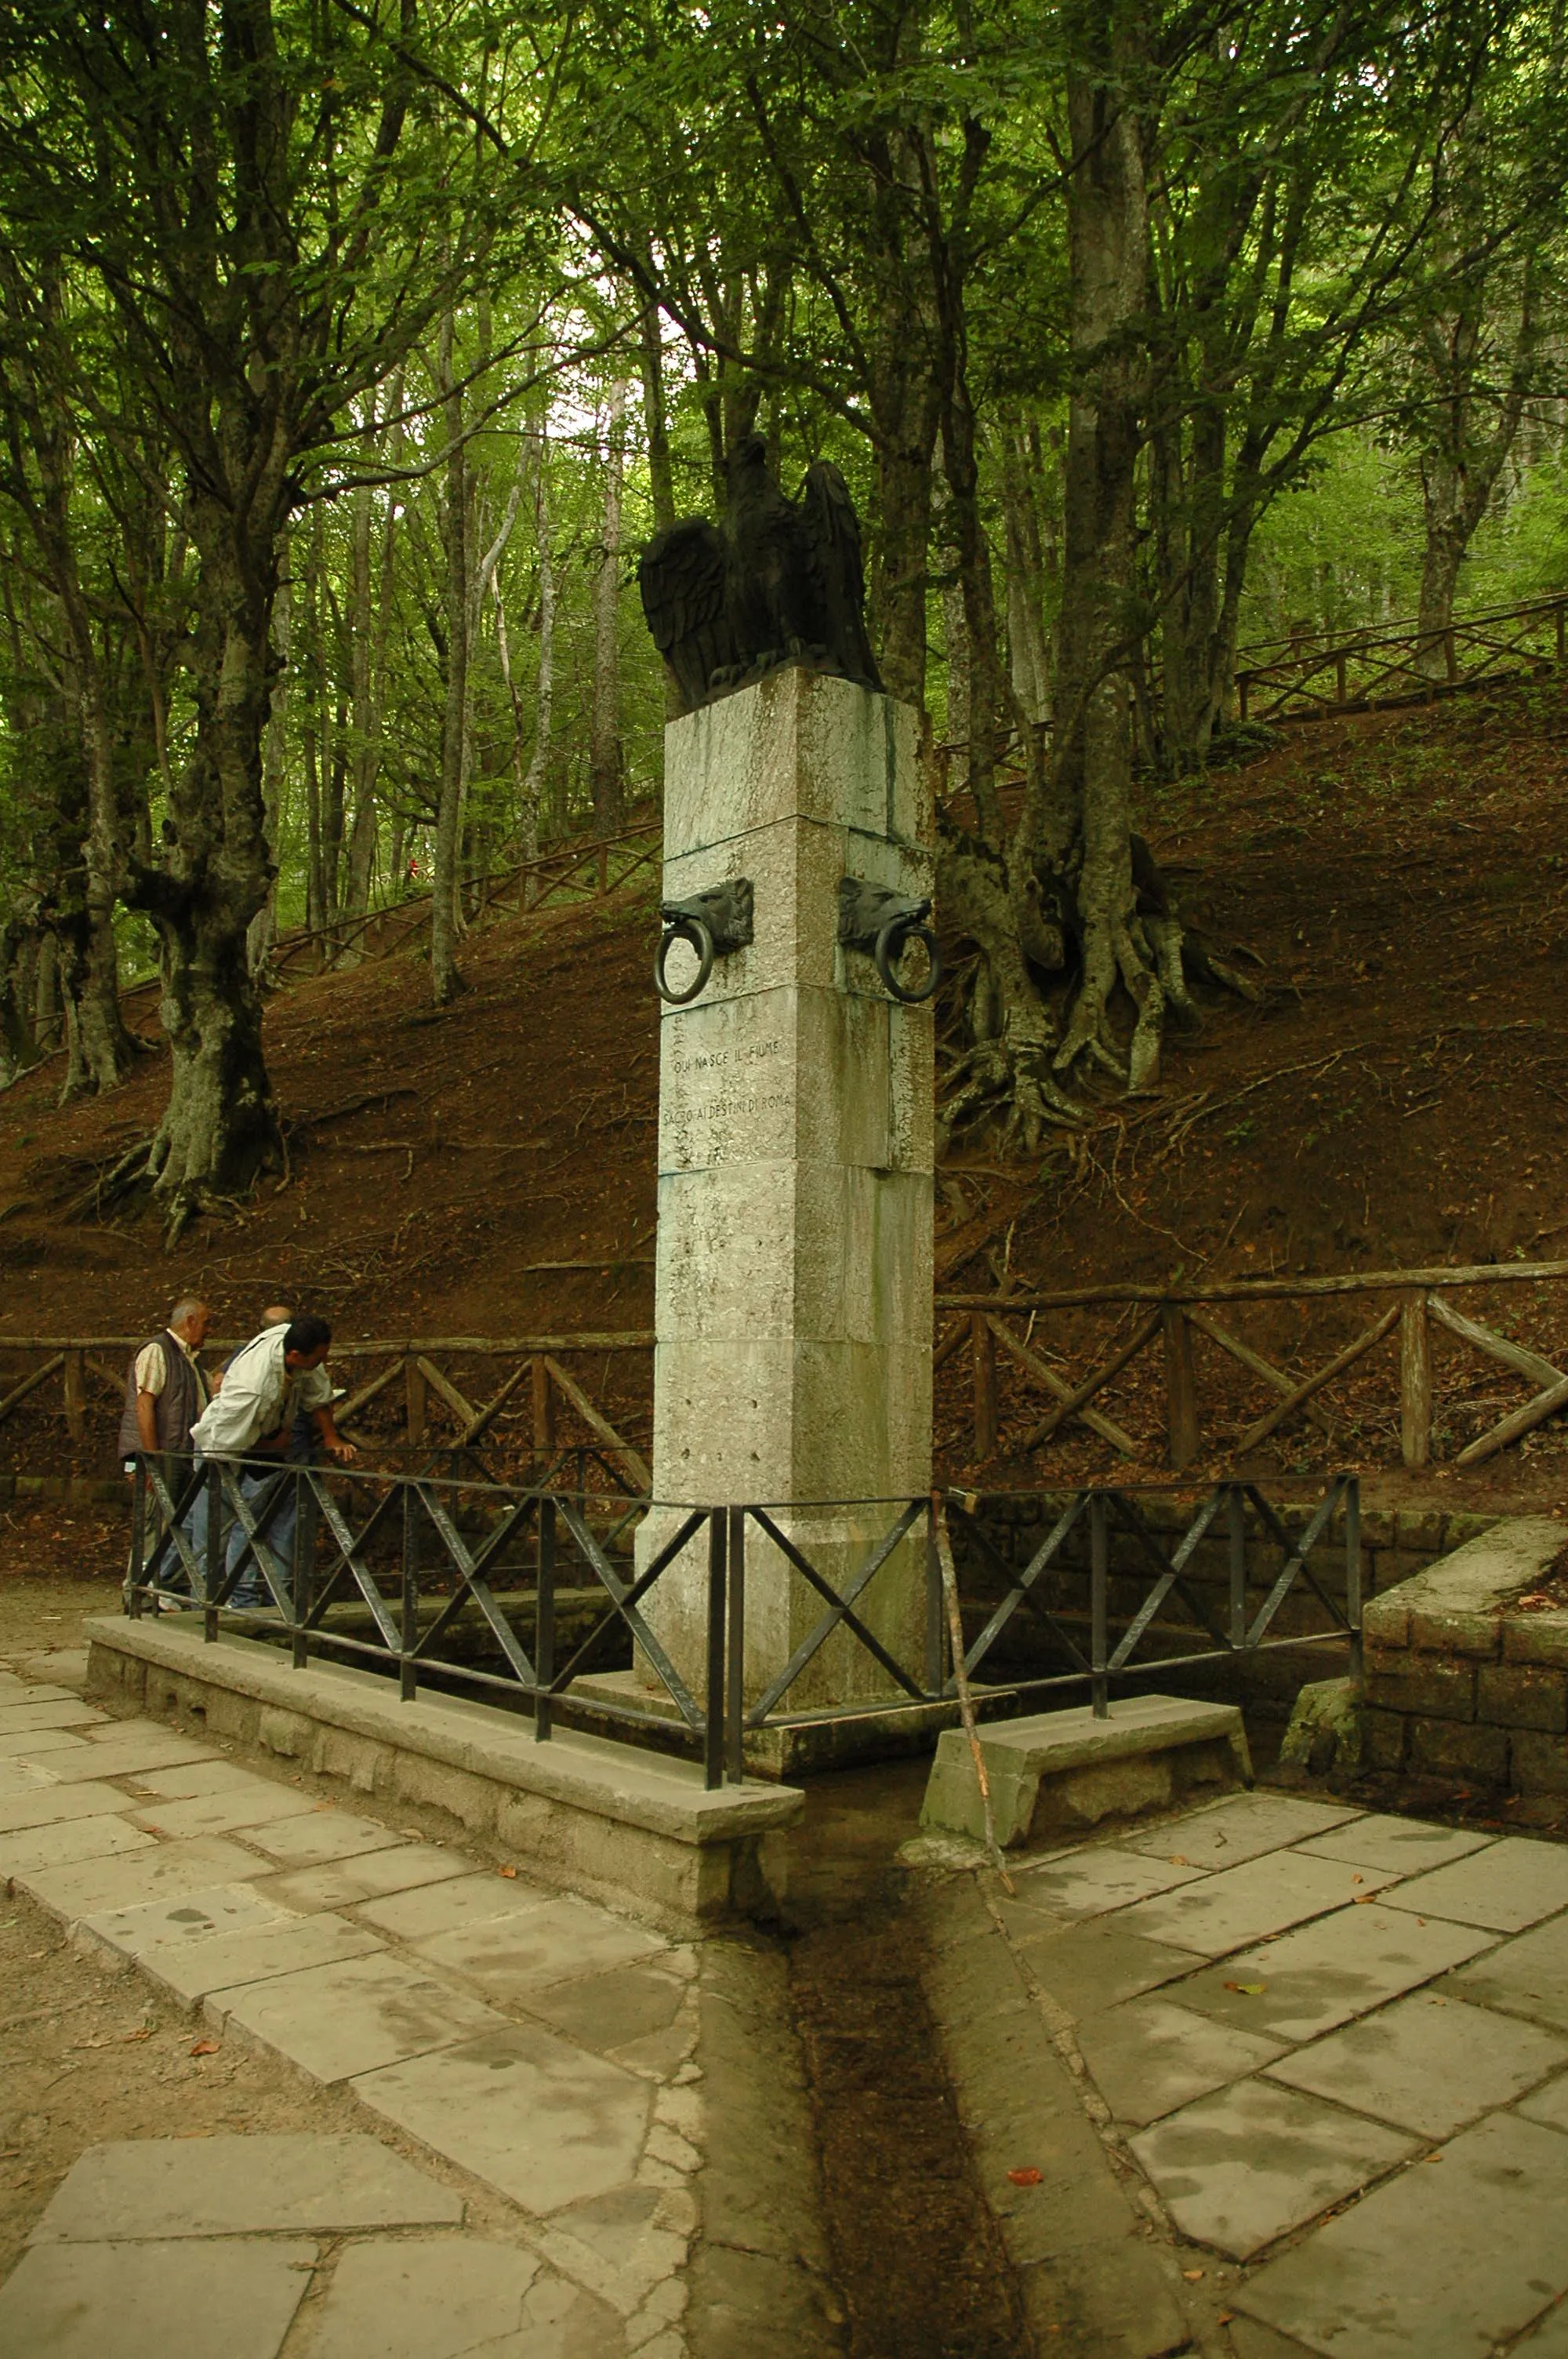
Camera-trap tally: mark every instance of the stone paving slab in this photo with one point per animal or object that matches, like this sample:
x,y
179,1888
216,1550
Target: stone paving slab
x,y
513,1957
616,2012
1406,1845
225,1813
327,1834
90,1886
442,1907
130,1755
522,2110
1528,1975
1224,1834
1320,1975
45,1806
1239,2169
339,1884
229,1961
1150,2057
432,2298
1240,1904
1549,2104
180,1917
205,1773
1101,1877
1446,2261
1097,1965
1427,2063
61,1846
69,1711
336,2021
44,1743
153,2300
285,2182
1508,1888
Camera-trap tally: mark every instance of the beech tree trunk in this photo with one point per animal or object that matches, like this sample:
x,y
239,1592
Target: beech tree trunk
x,y
445,980
220,1126
605,768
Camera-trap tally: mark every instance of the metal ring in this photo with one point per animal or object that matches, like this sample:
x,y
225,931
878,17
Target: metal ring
x,y
683,929
891,945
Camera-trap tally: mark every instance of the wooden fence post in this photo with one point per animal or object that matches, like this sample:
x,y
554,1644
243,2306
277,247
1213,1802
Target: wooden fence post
x,y
982,1350
543,1410
75,1380
1415,1381
1181,1388
415,1394
603,870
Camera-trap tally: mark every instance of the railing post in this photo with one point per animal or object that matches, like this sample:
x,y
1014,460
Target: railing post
x,y
408,1663
1235,1512
1415,1381
713,1724
544,1622
305,1513
735,1700
603,870
1341,687
214,1548
138,1538
934,1603
74,1380
1353,1571
1561,648
982,1350
416,1395
1099,1576
544,1409
1242,687
1181,1388
1450,655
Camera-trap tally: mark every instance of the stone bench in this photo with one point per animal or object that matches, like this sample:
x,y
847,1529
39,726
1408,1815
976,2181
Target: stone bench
x,y
1058,1772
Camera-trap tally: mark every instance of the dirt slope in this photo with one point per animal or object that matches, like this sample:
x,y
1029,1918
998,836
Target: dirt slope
x,y
1401,1097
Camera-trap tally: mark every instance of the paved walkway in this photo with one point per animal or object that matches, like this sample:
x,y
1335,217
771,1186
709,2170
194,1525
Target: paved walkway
x,y
542,2044
1332,2048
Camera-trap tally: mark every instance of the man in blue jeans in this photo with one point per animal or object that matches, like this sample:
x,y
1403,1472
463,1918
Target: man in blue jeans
x,y
281,1374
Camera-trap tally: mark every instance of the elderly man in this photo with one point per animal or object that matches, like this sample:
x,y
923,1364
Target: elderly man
x,y
165,1394
165,1389
279,1374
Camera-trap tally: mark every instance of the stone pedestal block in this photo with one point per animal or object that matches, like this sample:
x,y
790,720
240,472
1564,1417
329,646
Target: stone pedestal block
x,y
796,1149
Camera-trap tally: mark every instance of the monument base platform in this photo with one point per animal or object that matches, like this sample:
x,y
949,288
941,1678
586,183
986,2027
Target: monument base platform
x,y
610,1821
829,1743
1059,1772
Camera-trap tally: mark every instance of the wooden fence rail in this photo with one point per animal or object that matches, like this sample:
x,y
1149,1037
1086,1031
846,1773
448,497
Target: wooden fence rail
x,y
437,1411
451,1390
1173,1320
1302,679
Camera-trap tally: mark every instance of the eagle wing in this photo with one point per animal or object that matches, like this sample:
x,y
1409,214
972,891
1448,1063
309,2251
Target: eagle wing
x,y
681,578
833,536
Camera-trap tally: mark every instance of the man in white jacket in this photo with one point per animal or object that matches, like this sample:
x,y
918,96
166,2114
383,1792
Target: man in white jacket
x,y
279,1374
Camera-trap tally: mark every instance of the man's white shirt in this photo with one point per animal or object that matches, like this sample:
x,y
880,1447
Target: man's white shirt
x,y
258,1396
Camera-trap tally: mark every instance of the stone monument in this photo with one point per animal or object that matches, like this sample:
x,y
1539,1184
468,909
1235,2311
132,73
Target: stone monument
x,y
793,1311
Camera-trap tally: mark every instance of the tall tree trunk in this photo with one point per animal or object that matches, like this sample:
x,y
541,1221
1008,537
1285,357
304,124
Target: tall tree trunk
x,y
314,734
274,766
605,781
532,787
445,980
220,1126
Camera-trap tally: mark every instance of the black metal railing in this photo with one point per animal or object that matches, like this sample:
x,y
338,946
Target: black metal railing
x,y
275,1553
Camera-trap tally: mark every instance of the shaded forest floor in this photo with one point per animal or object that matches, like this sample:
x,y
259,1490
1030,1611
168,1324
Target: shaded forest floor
x,y
1401,1099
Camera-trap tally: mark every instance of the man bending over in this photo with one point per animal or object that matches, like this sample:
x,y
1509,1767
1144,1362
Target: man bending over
x,y
279,1374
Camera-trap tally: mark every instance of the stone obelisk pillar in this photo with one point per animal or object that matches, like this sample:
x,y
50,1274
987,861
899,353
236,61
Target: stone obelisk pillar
x,y
795,1209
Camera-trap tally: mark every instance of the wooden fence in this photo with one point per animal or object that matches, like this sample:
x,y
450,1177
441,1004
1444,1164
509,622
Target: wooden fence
x,y
1303,679
567,877
422,1377
1168,1379
1406,1311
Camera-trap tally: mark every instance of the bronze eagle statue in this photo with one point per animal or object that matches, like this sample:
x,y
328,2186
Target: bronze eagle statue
x,y
778,581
